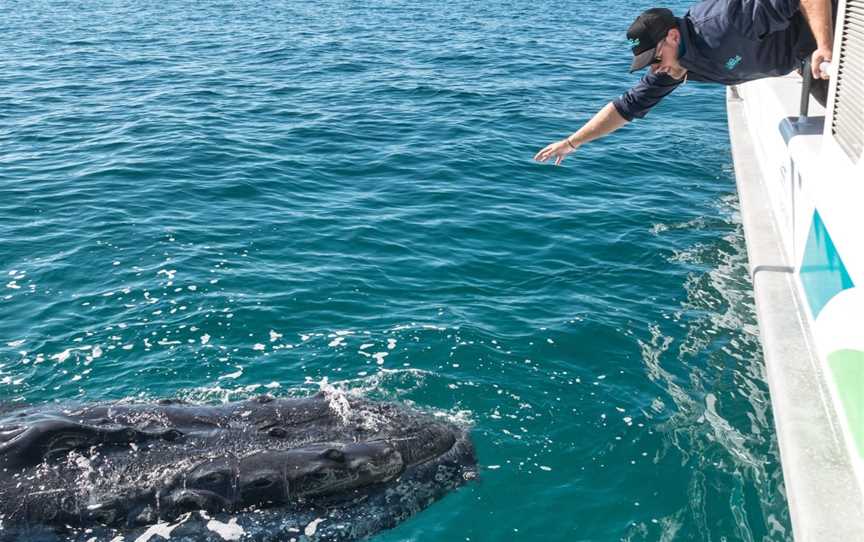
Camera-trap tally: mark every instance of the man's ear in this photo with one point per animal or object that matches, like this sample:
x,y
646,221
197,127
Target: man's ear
x,y
673,36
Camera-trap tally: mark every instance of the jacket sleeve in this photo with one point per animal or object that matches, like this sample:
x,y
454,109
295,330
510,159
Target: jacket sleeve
x,y
758,18
636,102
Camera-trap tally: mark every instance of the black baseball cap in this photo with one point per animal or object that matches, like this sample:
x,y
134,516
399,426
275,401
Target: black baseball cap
x,y
646,32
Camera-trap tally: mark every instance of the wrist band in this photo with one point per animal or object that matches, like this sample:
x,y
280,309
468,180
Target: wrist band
x,y
567,139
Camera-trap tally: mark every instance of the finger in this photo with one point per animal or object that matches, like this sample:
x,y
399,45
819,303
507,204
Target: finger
x,y
558,160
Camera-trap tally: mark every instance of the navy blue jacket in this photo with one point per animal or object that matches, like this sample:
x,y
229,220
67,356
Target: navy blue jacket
x,y
728,42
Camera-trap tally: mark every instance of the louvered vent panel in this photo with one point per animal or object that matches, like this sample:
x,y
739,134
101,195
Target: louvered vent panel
x,y
848,120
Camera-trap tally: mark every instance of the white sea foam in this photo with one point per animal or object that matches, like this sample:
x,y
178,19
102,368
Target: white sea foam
x,y
458,416
62,356
312,527
168,273
160,529
233,375
228,531
336,399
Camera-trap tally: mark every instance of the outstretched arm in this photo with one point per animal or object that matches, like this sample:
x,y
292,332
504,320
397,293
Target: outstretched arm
x,y
606,121
818,15
633,104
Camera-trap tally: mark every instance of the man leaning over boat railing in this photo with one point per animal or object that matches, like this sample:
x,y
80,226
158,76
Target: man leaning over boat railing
x,y
717,41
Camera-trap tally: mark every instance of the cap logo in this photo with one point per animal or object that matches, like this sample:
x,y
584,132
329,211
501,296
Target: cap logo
x,y
633,43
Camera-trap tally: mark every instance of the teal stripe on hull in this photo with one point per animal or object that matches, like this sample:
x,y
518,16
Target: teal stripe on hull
x,y
823,274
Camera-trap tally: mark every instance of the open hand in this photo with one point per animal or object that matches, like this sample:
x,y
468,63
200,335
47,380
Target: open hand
x,y
559,150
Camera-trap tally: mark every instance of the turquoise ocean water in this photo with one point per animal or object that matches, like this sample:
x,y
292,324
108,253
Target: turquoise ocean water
x,y
213,200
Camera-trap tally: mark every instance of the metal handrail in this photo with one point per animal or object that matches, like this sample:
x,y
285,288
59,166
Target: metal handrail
x,y
807,76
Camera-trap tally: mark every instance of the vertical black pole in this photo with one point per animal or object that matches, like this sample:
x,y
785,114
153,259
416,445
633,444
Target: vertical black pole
x,y
807,77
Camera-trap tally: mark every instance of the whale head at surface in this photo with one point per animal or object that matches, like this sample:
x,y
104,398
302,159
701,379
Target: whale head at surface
x,y
268,478
272,466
